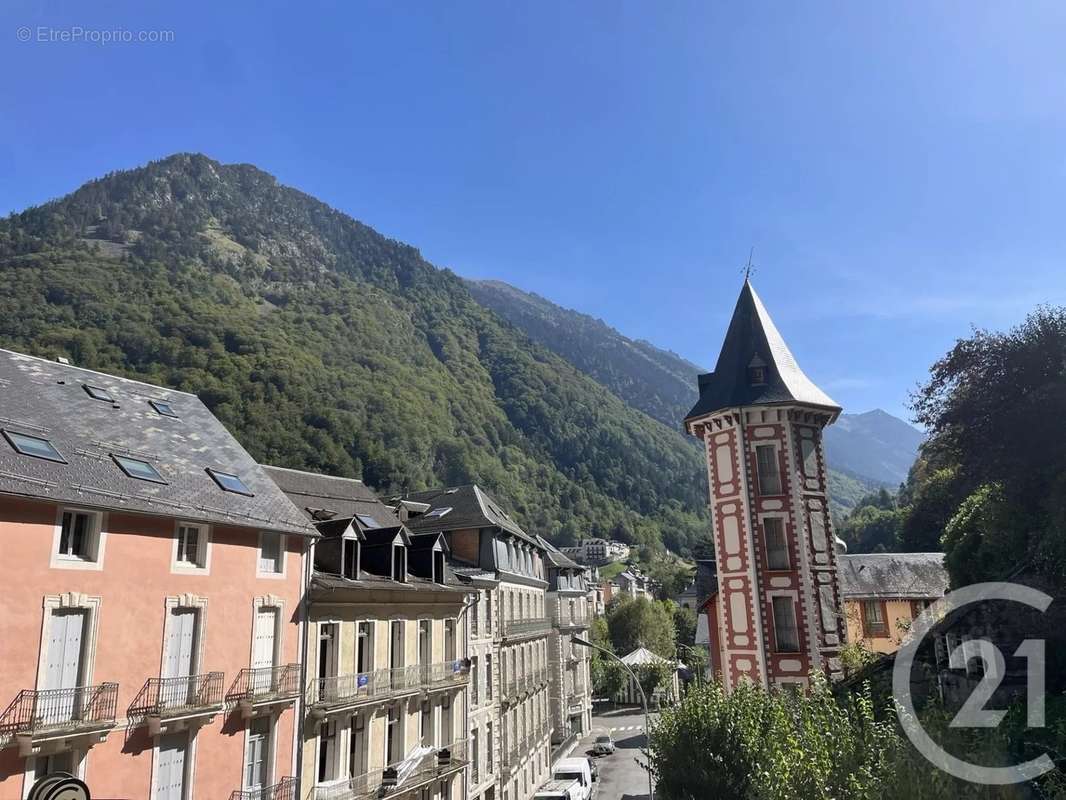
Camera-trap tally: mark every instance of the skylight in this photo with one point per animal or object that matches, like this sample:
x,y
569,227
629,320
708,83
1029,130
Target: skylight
x,y
135,468
163,408
367,520
33,446
96,393
229,482
439,512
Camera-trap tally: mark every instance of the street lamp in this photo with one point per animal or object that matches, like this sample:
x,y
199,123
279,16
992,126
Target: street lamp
x,y
643,699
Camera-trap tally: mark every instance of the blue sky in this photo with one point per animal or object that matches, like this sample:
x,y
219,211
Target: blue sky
x,y
900,168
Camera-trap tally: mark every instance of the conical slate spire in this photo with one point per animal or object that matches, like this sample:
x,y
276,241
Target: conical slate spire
x,y
755,366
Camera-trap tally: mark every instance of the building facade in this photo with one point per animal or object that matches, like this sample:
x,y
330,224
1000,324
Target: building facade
x,y
777,614
152,582
570,610
386,655
509,640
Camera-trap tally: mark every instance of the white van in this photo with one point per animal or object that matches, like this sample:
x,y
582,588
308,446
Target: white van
x,y
575,769
559,790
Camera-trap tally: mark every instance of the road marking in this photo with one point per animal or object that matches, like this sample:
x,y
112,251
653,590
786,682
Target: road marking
x,y
627,728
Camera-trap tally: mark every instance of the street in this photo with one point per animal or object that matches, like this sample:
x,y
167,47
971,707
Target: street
x,y
620,776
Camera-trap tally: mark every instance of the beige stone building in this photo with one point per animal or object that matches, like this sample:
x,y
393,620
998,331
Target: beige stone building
x,y
509,722
385,656
884,592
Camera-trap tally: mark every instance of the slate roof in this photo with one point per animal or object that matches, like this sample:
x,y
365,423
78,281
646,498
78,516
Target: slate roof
x,y
750,339
47,399
556,557
888,575
343,497
471,507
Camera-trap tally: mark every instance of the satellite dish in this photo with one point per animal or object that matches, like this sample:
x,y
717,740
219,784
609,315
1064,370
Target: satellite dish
x,y
59,786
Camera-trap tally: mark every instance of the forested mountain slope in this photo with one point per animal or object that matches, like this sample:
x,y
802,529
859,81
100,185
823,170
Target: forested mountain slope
x,y
324,345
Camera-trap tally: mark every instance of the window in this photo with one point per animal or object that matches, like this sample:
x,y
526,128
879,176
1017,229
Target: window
x,y
367,521
357,747
437,513
229,482
769,471
488,747
776,544
488,676
425,644
399,564
163,408
79,535
438,566
786,633
393,736
96,393
425,724
191,546
488,612
135,468
446,732
327,751
33,446
364,642
350,557
271,553
873,619
449,640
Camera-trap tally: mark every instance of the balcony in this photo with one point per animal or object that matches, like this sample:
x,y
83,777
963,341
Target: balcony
x,y
285,789
41,715
514,630
165,701
264,687
564,622
422,767
344,692
516,689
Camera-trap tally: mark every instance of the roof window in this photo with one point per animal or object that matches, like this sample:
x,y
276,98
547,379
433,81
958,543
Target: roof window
x,y
96,393
33,446
439,512
229,482
136,468
367,520
163,408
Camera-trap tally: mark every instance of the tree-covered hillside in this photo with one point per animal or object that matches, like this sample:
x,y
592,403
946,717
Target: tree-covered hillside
x,y
324,345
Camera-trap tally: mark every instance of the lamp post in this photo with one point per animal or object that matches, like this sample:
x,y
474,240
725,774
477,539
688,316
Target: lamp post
x,y
643,699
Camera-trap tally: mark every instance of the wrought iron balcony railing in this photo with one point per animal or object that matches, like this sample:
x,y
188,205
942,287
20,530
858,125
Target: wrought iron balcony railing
x,y
402,776
186,695
265,684
445,674
340,691
565,622
524,628
40,712
285,789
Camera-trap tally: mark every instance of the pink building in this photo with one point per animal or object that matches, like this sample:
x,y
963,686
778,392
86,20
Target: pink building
x,y
152,576
777,612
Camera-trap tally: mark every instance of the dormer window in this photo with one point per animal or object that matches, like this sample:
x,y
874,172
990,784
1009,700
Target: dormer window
x,y
350,559
438,567
96,393
399,563
757,371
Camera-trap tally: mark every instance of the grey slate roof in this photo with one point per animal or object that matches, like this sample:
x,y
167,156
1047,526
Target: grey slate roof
x,y
48,400
471,507
888,575
344,497
752,338
556,557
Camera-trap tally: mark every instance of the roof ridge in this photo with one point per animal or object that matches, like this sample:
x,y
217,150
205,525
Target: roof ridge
x,y
316,474
52,362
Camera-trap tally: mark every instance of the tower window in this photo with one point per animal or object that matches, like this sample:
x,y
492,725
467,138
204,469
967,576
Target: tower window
x,y
786,631
776,544
757,371
769,469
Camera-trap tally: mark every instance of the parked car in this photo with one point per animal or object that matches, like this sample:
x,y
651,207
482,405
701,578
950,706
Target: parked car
x,y
559,790
575,769
603,746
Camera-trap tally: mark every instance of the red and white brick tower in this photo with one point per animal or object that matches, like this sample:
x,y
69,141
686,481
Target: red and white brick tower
x,y
778,609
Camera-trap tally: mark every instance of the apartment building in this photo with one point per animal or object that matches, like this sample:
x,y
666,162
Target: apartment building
x,y
509,626
386,653
152,577
571,612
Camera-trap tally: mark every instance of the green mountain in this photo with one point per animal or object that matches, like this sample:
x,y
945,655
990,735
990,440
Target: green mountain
x,y
866,450
323,345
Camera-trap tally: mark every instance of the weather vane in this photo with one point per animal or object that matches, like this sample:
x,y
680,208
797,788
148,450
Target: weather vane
x,y
749,268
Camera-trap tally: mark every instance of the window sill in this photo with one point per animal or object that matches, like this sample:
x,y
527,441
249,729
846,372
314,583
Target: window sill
x,y
74,562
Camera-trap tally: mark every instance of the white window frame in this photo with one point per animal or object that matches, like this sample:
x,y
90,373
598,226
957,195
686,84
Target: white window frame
x,y
98,538
70,600
781,473
185,600
766,541
277,603
272,746
30,776
338,748
204,546
190,762
282,541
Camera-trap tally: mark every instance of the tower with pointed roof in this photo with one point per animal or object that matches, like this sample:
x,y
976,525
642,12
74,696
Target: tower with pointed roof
x,y
777,611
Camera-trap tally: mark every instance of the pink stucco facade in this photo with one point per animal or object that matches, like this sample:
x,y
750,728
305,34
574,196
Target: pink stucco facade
x,y
129,598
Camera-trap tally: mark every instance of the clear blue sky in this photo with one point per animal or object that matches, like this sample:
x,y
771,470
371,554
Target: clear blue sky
x,y
900,168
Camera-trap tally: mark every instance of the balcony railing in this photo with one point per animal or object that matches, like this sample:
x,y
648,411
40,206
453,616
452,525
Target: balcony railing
x,y
402,776
265,684
186,695
45,711
565,622
519,628
285,789
342,691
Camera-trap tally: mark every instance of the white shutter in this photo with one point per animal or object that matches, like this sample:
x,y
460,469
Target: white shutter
x,y
170,767
255,774
64,649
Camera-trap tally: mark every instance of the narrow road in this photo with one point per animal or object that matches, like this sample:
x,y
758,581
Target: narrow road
x,y
621,777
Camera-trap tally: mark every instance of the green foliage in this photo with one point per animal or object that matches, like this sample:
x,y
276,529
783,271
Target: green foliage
x,y
323,345
654,675
855,656
983,536
639,622
684,626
